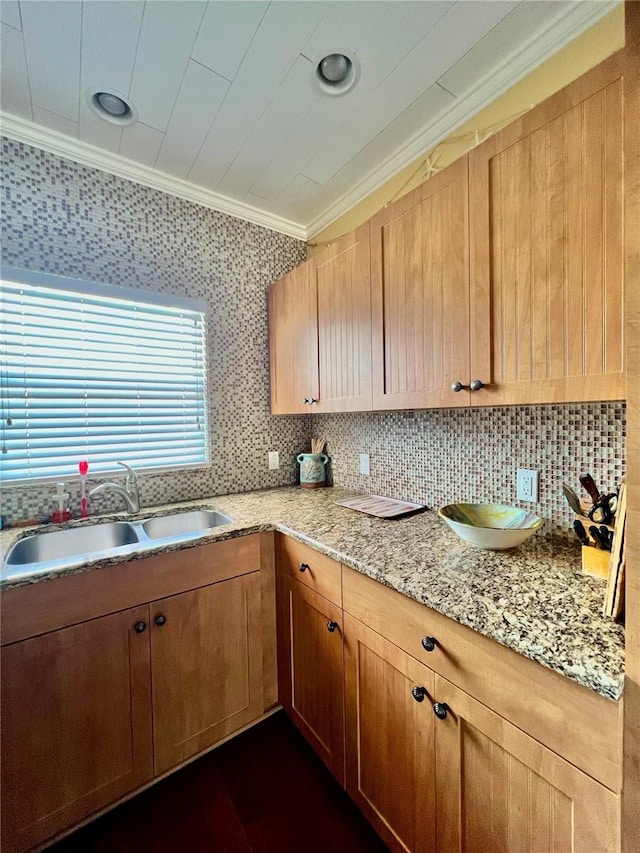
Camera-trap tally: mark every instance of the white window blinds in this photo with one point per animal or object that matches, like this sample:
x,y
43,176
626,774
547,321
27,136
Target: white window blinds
x,y
98,373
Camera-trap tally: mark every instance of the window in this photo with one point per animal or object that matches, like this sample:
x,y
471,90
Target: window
x,y
99,373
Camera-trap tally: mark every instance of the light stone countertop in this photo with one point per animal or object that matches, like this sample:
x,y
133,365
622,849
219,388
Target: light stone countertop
x,y
532,599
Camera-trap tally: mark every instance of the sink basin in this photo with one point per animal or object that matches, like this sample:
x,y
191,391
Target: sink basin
x,y
184,523
62,549
60,544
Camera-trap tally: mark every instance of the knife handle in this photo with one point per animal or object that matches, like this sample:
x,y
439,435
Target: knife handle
x,y
581,533
590,487
598,538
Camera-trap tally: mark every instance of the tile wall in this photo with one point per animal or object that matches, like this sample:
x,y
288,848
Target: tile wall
x,y
448,455
60,217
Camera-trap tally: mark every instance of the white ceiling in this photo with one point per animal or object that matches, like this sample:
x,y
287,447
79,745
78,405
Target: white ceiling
x,y
229,114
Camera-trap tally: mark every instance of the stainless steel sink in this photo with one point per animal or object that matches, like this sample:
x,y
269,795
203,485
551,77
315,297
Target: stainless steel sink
x,y
184,523
44,552
74,541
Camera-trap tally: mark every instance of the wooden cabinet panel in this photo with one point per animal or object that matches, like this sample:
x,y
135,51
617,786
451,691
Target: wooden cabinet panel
x,y
343,288
313,569
311,673
76,724
206,667
320,331
498,789
293,341
391,772
420,295
547,248
575,722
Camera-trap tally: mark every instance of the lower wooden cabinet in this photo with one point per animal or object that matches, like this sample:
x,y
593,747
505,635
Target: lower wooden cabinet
x,y
94,708
76,724
206,664
311,674
501,790
391,772
435,770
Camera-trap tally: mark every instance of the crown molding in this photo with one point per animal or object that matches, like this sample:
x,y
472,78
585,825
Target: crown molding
x,y
538,49
29,133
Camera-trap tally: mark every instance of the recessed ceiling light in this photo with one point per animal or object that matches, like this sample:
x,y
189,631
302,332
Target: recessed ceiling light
x,y
111,106
337,72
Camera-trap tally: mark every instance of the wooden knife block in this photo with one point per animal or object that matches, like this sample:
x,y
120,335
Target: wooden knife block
x,y
595,562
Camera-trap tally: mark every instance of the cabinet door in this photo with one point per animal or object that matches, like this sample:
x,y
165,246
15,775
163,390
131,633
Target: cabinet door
x,y
293,341
390,739
311,670
206,658
500,790
343,287
420,295
76,724
546,226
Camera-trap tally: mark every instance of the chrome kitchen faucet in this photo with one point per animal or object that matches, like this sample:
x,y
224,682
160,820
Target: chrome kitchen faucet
x,y
129,492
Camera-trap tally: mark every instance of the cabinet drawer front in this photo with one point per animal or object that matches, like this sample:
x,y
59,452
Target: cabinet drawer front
x,y
570,719
315,570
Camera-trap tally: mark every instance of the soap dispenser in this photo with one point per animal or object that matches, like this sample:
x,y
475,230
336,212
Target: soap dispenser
x,y
61,509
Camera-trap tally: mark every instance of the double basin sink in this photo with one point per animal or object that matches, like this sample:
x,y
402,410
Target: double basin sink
x,y
61,549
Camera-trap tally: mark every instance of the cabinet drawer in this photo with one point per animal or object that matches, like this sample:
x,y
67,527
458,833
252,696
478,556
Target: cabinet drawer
x,y
573,721
315,570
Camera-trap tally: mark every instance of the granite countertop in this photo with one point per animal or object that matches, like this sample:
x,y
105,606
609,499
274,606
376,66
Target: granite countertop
x,y
532,599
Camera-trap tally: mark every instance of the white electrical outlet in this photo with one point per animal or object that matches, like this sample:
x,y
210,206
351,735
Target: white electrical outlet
x,y
364,464
527,485
274,460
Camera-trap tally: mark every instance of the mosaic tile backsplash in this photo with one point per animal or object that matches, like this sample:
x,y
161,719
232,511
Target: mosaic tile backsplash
x,y
63,218
449,455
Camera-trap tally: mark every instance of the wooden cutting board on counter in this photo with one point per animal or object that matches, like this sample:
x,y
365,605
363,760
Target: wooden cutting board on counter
x,y
381,507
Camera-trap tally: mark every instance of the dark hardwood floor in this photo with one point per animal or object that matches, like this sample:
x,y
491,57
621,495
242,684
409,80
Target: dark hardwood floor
x,y
263,792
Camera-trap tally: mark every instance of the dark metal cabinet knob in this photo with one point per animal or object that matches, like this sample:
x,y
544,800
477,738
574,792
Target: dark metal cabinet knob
x,y
312,400
303,567
160,620
331,627
457,386
140,627
475,384
429,643
440,710
419,693
305,400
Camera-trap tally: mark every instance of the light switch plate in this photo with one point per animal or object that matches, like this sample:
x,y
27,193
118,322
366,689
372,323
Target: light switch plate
x,y
527,485
274,460
364,464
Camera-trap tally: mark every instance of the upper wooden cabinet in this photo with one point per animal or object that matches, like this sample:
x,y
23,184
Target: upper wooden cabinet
x,y
320,331
293,341
546,238
420,295
498,281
